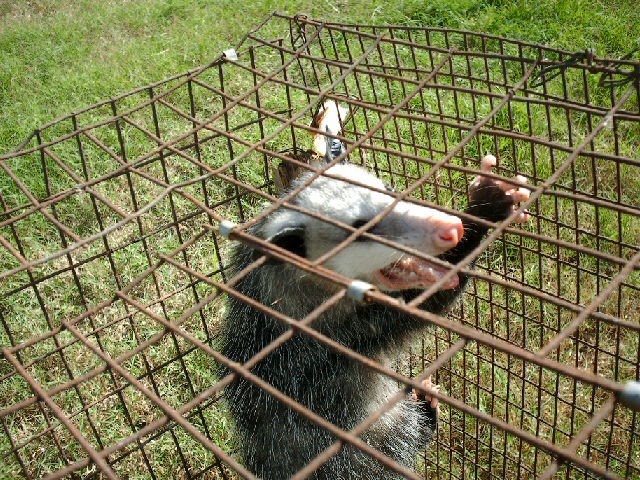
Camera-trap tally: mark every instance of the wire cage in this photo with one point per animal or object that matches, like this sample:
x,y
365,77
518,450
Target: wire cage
x,y
114,267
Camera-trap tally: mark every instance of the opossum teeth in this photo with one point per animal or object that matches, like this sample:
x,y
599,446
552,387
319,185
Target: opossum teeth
x,y
412,272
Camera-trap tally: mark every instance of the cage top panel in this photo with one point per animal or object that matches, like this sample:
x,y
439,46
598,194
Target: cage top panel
x,y
115,272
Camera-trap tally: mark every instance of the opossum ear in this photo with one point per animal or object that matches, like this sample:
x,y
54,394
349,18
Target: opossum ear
x,y
291,239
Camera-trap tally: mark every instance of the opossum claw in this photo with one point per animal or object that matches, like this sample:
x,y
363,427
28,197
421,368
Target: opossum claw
x,y
425,397
485,188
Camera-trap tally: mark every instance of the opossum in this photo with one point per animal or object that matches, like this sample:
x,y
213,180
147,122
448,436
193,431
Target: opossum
x,y
274,442
329,119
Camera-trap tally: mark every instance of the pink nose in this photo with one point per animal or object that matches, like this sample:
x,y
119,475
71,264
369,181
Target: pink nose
x,y
448,231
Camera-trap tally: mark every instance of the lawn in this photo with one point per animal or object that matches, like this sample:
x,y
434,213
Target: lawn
x,y
60,56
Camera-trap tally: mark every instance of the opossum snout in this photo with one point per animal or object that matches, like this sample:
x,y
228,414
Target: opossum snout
x,y
448,230
425,228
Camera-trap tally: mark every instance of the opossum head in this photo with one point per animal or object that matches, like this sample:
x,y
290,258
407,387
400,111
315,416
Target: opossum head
x,y
330,119
424,229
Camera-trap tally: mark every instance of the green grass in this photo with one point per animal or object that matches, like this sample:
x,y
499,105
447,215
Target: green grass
x,y
59,56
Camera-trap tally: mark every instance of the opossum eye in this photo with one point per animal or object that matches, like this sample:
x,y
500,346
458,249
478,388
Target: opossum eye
x,y
357,224
291,239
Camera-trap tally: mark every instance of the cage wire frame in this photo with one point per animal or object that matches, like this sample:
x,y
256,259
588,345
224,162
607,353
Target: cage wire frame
x,y
117,222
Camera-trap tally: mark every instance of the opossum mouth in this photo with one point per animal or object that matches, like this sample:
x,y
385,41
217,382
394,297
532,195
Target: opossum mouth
x,y
413,272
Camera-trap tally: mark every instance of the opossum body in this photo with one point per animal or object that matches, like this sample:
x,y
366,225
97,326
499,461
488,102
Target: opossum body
x,y
274,441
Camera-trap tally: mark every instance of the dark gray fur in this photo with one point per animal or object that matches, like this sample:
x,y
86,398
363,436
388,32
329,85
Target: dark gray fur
x,y
274,441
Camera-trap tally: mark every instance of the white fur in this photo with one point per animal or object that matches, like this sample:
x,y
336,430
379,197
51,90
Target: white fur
x,y
333,118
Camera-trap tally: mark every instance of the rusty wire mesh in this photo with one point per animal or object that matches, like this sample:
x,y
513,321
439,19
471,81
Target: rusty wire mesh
x,y
113,274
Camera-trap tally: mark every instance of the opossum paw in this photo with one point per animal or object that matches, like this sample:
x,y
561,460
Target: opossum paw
x,y
497,199
429,400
